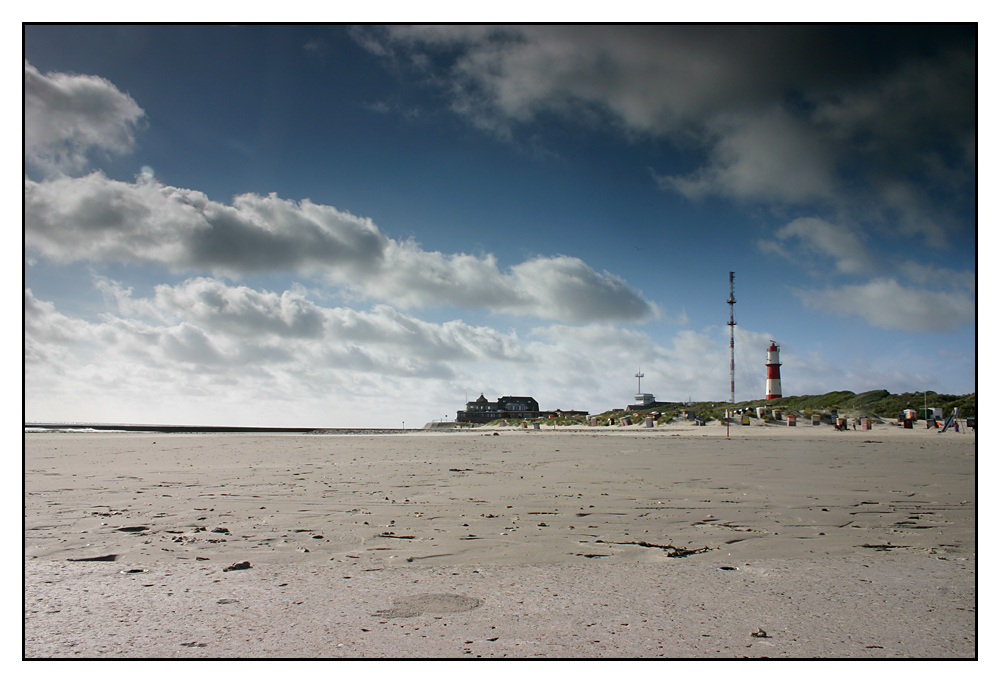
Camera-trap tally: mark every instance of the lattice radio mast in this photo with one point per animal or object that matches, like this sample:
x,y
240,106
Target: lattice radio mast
x,y
732,342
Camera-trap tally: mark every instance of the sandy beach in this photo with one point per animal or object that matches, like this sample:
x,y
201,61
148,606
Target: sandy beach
x,y
782,542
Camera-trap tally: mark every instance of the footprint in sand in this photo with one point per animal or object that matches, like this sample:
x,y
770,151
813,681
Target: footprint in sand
x,y
435,603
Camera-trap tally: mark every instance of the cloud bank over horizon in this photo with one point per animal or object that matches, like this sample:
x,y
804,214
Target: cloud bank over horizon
x,y
203,346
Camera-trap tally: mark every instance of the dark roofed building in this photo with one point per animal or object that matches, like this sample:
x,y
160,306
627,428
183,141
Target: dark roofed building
x,y
646,407
504,408
570,413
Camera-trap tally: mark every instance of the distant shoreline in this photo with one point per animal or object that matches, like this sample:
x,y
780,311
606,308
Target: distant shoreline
x,y
195,429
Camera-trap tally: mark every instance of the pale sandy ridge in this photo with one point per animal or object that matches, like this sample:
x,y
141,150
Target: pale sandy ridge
x,y
562,543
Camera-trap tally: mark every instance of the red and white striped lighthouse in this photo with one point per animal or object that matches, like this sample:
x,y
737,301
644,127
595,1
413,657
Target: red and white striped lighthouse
x,y
773,373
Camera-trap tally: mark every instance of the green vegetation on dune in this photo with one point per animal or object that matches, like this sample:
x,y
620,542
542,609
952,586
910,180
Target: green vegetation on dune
x,y
877,403
880,402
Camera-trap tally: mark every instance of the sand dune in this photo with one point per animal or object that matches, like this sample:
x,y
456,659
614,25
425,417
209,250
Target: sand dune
x,y
674,541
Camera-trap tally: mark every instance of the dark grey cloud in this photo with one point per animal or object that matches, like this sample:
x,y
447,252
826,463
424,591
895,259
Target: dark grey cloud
x,y
874,121
96,218
653,79
266,234
669,79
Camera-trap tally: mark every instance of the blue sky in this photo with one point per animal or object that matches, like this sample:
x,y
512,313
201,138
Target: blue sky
x,y
365,226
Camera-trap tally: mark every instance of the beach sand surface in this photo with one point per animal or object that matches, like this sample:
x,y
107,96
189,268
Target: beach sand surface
x,y
591,542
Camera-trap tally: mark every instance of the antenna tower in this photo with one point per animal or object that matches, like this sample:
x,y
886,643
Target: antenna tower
x,y
639,377
732,341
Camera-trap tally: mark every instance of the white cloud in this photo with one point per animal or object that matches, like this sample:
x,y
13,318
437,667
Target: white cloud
x,y
598,363
241,311
930,274
566,288
414,277
245,356
68,117
204,313
942,299
97,219
885,303
44,325
815,236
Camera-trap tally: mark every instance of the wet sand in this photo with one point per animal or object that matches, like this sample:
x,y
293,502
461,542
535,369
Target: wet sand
x,y
674,541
